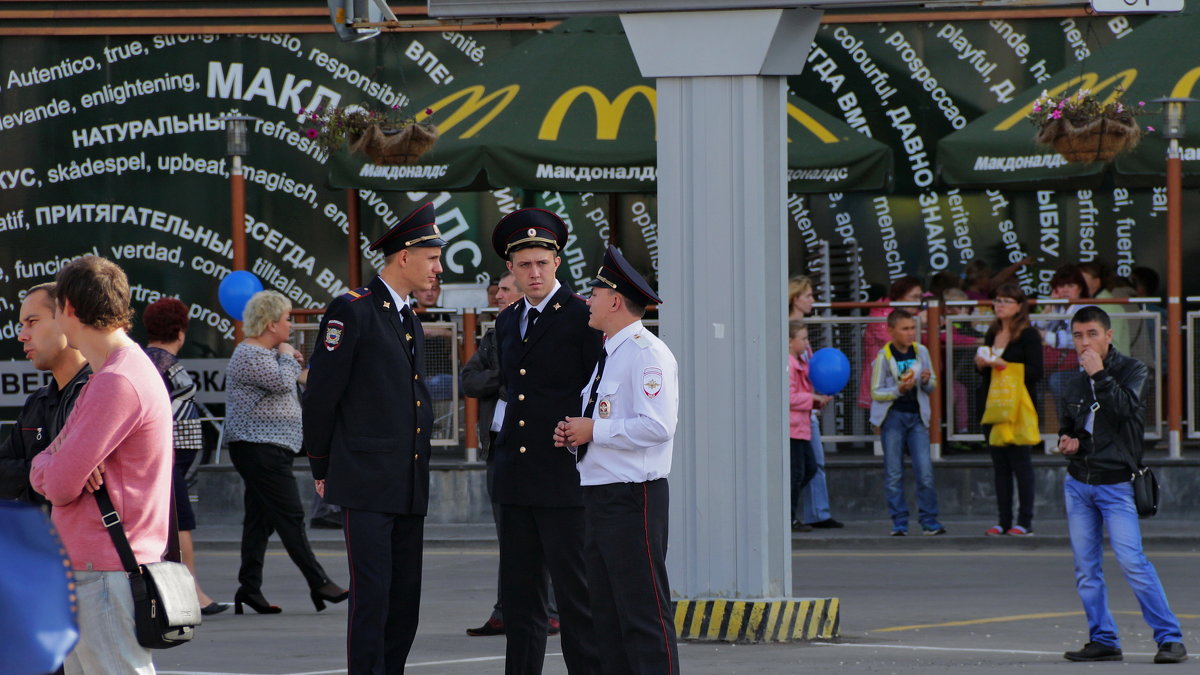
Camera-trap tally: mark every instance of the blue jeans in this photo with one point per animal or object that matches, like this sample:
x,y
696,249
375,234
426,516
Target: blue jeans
x,y
107,642
901,432
1089,509
815,495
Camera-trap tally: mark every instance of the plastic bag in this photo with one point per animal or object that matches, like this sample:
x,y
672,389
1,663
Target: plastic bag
x,y
1022,427
1004,394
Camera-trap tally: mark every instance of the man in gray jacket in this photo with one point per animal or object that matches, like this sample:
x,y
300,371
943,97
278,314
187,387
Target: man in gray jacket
x,y
1101,425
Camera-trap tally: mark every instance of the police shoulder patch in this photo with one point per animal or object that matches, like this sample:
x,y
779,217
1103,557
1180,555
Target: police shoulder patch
x,y
334,331
652,381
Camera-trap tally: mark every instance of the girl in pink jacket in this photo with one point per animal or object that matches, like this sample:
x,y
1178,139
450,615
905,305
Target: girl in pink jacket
x,y
802,400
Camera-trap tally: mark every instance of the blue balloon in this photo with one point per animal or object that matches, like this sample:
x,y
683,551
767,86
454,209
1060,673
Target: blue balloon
x,y
235,291
829,371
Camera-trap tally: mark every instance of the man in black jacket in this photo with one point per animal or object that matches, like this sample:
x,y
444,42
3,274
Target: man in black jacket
x,y
367,422
1101,423
546,353
45,411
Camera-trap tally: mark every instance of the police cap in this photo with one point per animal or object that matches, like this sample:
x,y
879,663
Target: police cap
x,y
616,273
416,229
524,228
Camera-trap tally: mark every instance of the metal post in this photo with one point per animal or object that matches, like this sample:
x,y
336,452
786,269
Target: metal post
x,y
353,255
1173,130
933,340
237,219
1174,299
470,328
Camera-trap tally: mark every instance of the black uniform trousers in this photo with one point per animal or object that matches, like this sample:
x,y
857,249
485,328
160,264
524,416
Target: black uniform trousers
x,y
272,504
384,551
626,550
534,539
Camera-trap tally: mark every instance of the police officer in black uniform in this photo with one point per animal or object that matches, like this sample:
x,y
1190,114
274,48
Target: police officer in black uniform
x,y
546,352
367,422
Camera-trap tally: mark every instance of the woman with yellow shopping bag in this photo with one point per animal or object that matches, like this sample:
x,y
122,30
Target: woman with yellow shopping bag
x,y
1010,366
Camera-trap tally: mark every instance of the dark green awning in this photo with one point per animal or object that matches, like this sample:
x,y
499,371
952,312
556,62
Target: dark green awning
x,y
570,111
1160,58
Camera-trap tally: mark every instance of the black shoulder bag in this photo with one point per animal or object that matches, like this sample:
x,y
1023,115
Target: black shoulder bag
x,y
1145,488
166,610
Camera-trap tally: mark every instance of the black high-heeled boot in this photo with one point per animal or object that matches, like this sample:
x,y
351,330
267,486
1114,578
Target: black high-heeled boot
x,y
254,600
328,592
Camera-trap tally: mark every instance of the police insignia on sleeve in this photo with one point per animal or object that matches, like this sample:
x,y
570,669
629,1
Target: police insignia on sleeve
x,y
652,381
333,334
604,408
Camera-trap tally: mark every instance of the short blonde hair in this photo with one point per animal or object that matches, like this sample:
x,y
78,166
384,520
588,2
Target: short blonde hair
x,y
263,308
797,285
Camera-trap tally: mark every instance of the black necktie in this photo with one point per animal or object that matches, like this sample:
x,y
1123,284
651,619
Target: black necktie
x,y
530,319
591,404
410,326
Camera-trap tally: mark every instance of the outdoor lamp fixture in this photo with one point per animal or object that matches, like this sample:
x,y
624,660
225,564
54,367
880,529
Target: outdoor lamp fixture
x,y
236,144
1173,128
1173,116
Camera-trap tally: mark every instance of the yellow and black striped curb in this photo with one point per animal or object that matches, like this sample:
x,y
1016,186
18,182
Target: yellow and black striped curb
x,y
757,620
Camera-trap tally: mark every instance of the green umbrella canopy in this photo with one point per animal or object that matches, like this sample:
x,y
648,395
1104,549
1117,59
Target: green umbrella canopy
x,y
570,111
998,148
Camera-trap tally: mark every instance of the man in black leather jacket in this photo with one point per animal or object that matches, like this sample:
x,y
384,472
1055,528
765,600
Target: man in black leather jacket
x,y
45,411
1101,422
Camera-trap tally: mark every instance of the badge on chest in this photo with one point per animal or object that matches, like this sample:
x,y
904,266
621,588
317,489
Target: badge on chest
x,y
604,408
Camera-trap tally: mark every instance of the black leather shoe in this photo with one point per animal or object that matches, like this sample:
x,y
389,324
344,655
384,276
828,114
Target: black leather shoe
x,y
491,627
1094,651
1171,652
798,526
828,524
329,592
214,608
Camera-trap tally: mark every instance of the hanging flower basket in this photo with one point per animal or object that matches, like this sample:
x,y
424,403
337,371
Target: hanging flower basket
x,y
1098,140
1085,129
384,137
394,146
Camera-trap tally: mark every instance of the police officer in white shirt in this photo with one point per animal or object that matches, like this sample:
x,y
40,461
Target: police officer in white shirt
x,y
623,444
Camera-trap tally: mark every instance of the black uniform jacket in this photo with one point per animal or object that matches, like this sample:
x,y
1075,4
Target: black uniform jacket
x,y
43,416
1116,393
367,412
542,376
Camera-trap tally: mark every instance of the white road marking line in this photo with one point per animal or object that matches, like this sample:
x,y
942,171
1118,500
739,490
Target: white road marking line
x,y
952,649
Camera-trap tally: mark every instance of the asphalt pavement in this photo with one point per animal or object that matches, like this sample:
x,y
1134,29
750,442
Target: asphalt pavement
x,y
953,603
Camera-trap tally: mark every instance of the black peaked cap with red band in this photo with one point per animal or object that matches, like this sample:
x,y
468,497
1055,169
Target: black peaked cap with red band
x,y
418,228
524,228
616,273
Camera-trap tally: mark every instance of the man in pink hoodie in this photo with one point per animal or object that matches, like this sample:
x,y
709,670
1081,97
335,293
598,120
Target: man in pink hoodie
x,y
119,435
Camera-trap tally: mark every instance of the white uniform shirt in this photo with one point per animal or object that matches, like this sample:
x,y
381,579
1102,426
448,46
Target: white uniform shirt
x,y
398,301
637,408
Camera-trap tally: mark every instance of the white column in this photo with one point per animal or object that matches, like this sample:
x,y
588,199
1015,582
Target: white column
x,y
721,196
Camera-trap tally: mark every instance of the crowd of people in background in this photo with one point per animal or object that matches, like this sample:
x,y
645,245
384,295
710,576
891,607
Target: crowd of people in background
x,y
132,400
991,323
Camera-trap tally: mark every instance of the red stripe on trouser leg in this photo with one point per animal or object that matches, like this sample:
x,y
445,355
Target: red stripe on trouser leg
x,y
654,578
